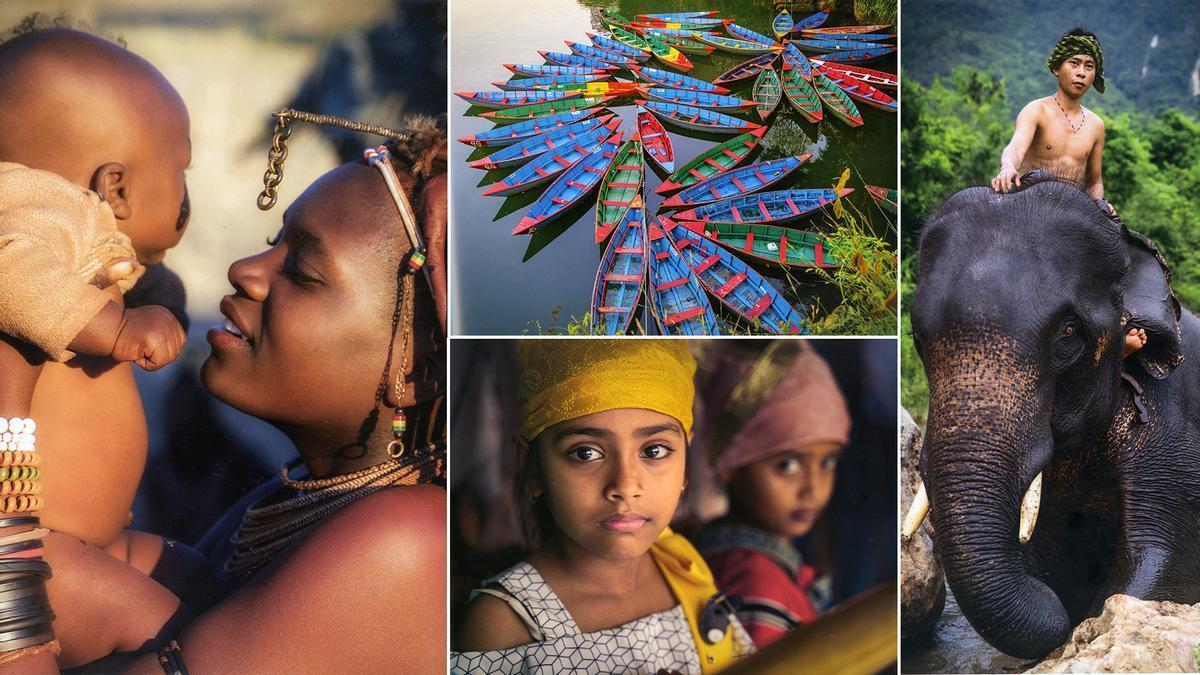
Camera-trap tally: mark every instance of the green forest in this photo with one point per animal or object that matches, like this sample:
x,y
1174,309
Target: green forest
x,y
969,66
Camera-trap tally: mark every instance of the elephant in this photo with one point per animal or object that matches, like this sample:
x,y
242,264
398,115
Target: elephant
x,y
1019,317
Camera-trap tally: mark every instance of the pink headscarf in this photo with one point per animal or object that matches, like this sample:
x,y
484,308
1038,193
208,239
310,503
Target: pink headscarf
x,y
804,407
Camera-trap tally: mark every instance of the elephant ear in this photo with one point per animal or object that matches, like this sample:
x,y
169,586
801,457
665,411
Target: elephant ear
x,y
1150,305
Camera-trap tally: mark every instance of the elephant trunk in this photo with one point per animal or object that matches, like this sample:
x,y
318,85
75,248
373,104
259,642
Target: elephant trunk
x,y
988,438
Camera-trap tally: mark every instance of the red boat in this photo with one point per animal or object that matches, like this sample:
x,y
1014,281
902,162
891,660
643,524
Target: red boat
x,y
655,139
875,78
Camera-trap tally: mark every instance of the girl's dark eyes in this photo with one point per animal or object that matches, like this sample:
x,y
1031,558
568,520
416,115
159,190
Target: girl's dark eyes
x,y
829,463
788,467
657,451
584,453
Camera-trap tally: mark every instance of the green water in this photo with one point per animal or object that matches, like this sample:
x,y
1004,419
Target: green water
x,y
503,284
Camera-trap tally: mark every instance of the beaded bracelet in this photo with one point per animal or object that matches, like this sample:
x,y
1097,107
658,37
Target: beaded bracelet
x,y
20,503
17,425
20,487
19,458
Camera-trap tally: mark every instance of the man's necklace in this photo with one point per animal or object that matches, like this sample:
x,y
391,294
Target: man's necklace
x,y
1082,117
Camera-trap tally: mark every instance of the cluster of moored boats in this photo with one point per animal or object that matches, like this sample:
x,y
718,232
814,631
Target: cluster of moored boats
x,y
556,128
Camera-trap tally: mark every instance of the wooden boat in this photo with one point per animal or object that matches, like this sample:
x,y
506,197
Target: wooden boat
x,y
811,21
844,29
592,52
720,157
691,24
535,146
512,99
631,39
685,45
601,88
510,115
666,53
548,165
771,243
832,46
767,92
543,70
737,285
883,196
856,55
575,61
674,80
547,81
698,119
610,45
782,24
679,16
743,33
568,189
515,133
875,78
655,141
801,94
700,99
861,91
677,299
764,207
747,68
676,32
852,37
620,187
613,19
798,61
837,100
736,46
735,182
621,275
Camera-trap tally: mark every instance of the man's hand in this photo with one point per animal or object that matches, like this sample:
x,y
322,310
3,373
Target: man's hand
x,y
149,336
1007,180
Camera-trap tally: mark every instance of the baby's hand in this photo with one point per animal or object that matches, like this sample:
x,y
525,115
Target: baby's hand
x,y
149,336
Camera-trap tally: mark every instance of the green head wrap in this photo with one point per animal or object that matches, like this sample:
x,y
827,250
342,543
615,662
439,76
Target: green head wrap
x,y
1069,45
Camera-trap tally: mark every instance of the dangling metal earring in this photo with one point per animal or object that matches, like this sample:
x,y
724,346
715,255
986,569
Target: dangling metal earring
x,y
399,421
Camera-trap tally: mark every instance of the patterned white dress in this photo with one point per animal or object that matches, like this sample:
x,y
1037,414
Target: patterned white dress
x,y
659,641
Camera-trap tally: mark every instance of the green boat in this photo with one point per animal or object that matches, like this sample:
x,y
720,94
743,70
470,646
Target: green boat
x,y
620,187
837,100
802,95
780,245
884,197
666,53
713,161
686,45
525,112
613,19
767,92
631,39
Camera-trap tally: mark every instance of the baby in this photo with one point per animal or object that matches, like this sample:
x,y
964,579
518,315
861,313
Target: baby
x,y
778,422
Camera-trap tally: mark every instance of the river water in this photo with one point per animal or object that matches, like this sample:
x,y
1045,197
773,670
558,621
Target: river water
x,y
957,648
510,285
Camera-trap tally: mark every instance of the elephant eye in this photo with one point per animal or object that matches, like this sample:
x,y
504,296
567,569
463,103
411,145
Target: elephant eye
x,y
1069,328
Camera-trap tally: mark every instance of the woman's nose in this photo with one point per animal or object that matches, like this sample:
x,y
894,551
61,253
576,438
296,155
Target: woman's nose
x,y
625,482
251,276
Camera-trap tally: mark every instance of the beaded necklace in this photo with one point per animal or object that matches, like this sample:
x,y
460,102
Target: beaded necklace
x,y
1082,117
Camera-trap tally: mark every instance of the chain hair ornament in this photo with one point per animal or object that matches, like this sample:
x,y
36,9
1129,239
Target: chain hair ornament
x,y
283,130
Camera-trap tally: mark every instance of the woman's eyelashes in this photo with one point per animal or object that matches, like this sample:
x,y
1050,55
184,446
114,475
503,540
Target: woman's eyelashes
x,y
592,453
292,270
585,453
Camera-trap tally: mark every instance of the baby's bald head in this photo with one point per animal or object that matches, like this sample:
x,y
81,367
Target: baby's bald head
x,y
103,118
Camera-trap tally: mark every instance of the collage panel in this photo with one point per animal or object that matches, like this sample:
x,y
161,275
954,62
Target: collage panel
x,y
222,424
651,505
625,168
1051,460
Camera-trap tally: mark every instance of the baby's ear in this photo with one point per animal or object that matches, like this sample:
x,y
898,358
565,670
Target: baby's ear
x,y
111,182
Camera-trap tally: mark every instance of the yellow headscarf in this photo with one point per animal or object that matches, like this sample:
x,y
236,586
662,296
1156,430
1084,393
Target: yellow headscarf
x,y
560,380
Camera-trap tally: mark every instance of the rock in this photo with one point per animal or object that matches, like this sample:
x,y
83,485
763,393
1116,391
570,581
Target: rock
x,y
922,587
1131,635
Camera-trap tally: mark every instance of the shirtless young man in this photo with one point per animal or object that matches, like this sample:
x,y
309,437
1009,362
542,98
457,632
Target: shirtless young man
x,y
1058,134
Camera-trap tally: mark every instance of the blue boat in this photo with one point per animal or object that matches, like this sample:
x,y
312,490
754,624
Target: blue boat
x,y
797,60
736,46
782,24
512,99
860,37
680,32
610,45
811,21
515,133
573,185
698,119
735,182
747,34
833,45
535,146
857,55
575,61
674,17
675,81
593,52
526,83
747,69
548,165
677,300
700,99
542,70
621,275
735,283
763,207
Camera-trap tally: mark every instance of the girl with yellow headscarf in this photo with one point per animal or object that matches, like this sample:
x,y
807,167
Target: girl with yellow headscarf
x,y
609,587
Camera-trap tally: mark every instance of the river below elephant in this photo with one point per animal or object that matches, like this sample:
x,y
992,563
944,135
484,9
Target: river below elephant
x,y
957,648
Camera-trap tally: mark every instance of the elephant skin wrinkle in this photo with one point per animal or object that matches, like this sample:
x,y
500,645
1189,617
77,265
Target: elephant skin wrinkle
x,y
922,586
1130,636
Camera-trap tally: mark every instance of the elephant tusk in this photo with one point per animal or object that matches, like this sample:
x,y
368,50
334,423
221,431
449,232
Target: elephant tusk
x,y
916,513
1029,509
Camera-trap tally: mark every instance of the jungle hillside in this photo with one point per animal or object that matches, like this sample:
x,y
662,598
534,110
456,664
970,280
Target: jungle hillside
x,y
970,65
